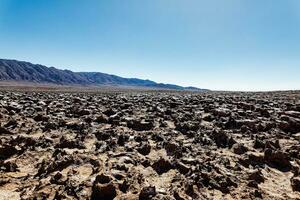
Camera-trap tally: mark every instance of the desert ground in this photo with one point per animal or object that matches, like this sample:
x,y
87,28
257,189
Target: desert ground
x,y
57,144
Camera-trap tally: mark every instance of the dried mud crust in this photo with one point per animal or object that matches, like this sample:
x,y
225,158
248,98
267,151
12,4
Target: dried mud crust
x,y
149,145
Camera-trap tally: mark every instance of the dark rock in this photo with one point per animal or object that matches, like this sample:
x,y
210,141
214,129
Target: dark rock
x,y
171,148
83,112
147,193
70,143
103,135
246,106
56,165
182,168
263,112
232,124
253,184
7,151
251,124
257,176
50,126
144,149
58,179
101,119
295,182
221,112
220,182
114,119
118,176
273,145
222,139
252,159
5,131
239,149
121,140
124,186
103,188
8,166
14,106
258,144
257,194
109,112
289,124
103,191
188,127
11,123
103,179
138,125
178,196
75,125
41,118
277,158
162,166
208,118
146,162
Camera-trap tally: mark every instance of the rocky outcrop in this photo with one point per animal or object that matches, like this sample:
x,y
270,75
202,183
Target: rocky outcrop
x,y
149,145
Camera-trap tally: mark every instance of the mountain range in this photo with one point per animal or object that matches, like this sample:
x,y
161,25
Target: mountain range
x,y
20,71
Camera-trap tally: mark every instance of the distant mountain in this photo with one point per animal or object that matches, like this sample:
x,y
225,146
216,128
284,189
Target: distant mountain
x,y
13,70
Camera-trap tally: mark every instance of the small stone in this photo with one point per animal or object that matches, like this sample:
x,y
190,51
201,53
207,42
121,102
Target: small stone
x,y
140,125
147,193
58,179
102,178
101,119
103,191
277,158
257,194
144,149
8,166
297,136
295,182
257,176
162,166
239,149
4,131
182,168
41,118
253,184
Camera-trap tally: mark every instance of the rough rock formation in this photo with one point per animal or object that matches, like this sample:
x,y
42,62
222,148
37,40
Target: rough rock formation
x,y
133,145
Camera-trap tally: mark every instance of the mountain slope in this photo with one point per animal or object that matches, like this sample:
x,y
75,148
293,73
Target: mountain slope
x,y
13,70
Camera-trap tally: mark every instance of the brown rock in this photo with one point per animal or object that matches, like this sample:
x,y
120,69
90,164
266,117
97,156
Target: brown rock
x,y
295,182
257,176
147,193
103,191
4,131
239,149
277,158
162,166
8,166
144,149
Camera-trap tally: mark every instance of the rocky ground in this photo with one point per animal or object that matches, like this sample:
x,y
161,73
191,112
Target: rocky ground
x,y
149,145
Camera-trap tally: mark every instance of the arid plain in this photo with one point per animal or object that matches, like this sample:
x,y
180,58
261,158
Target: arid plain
x,y
149,145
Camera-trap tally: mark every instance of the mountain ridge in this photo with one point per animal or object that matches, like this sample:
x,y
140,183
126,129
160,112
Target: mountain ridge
x,y
14,70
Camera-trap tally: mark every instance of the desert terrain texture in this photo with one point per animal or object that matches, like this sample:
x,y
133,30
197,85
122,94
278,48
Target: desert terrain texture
x,y
71,144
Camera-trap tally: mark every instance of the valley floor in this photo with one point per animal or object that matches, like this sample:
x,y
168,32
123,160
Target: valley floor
x,y
148,145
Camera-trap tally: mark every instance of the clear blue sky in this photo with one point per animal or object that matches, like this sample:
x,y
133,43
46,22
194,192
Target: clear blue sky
x,y
216,44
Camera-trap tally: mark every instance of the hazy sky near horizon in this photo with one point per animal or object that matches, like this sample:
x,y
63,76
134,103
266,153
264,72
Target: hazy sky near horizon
x,y
215,44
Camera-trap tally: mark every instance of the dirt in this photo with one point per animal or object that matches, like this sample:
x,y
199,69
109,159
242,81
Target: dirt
x,y
149,145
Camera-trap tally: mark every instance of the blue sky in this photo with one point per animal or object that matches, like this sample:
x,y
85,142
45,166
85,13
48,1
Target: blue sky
x,y
216,44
